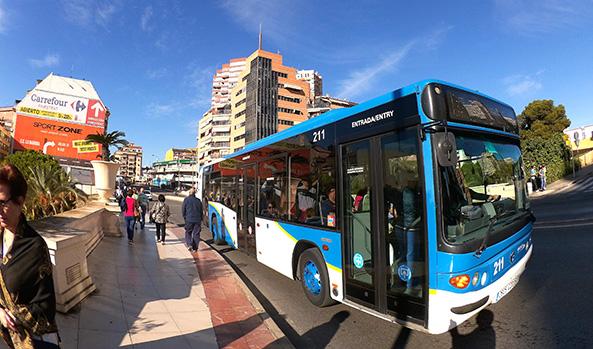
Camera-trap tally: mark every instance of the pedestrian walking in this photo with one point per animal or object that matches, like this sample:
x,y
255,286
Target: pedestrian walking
x,y
143,201
130,208
160,215
192,215
542,177
27,296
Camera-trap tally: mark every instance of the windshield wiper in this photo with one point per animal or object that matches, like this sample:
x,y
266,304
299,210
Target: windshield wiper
x,y
484,243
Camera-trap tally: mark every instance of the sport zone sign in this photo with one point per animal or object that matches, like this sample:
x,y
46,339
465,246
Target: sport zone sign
x,y
56,138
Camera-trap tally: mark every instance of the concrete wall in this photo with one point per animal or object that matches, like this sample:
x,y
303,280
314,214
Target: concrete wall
x,y
72,236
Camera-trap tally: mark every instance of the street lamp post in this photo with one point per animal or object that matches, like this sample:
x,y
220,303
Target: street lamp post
x,y
576,142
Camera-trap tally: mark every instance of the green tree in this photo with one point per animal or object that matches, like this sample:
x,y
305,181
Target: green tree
x,y
24,160
542,139
50,188
51,191
107,140
541,118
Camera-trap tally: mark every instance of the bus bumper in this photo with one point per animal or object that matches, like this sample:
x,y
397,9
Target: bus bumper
x,y
448,309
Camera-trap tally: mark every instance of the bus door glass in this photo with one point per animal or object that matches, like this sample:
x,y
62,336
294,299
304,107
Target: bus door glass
x,y
384,228
247,206
358,224
403,223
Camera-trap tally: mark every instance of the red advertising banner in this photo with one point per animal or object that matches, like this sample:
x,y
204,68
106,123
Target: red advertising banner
x,y
56,138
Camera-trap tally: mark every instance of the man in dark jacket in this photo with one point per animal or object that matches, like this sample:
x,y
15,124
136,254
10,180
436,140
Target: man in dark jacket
x,y
192,215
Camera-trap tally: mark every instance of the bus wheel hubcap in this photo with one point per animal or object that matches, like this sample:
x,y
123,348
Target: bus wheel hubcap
x,y
312,278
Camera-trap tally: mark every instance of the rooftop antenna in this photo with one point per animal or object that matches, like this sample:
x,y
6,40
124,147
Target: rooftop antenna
x,y
260,37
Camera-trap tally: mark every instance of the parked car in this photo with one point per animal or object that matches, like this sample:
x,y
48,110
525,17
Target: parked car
x,y
148,193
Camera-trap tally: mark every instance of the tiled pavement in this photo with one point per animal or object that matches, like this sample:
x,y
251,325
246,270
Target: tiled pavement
x,y
151,296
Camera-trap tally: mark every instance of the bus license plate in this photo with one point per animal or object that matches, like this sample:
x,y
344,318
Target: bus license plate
x,y
506,289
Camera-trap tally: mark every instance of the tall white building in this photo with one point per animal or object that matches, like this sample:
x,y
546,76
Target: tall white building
x,y
214,128
315,81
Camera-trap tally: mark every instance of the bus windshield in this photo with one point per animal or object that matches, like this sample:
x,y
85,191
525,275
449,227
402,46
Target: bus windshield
x,y
485,191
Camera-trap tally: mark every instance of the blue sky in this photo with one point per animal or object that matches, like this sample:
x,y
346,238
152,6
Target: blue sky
x,y
152,61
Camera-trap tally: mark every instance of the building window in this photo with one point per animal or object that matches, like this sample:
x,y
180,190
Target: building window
x,y
289,111
239,137
240,102
285,122
289,99
281,75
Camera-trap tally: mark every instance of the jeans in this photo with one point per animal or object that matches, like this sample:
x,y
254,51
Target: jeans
x,y
192,235
543,180
130,222
160,232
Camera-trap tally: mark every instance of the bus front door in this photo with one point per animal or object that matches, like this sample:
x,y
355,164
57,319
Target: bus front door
x,y
246,228
383,226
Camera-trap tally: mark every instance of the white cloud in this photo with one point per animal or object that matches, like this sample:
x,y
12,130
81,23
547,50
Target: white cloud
x,y
359,81
200,79
86,13
276,17
145,19
154,74
157,110
50,60
3,19
534,17
518,85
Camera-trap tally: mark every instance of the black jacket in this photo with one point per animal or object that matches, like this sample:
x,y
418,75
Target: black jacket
x,y
27,277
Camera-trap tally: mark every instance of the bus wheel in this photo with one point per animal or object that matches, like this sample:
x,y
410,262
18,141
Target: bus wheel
x,y
314,279
217,234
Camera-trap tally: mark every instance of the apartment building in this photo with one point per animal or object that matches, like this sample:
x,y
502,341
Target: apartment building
x,y
130,159
322,104
7,117
180,154
315,81
214,128
5,142
268,98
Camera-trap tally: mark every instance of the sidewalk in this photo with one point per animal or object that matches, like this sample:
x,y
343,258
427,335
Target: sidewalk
x,y
160,296
564,183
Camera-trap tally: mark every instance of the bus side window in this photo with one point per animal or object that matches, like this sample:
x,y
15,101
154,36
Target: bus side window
x,y
273,188
312,188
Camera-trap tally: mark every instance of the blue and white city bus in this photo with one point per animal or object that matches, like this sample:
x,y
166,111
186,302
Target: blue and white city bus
x,y
411,206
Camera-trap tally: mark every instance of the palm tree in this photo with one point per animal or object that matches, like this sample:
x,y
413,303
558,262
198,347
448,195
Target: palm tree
x,y
51,191
111,139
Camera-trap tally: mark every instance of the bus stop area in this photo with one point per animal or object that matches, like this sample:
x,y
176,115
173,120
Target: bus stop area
x,y
150,295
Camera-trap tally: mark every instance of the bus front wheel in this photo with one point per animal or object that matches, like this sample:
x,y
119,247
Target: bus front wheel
x,y
314,278
215,232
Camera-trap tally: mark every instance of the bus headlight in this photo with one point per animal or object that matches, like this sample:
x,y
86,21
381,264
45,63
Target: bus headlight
x,y
459,281
475,279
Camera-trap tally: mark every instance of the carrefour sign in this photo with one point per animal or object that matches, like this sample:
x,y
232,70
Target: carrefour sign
x,y
67,108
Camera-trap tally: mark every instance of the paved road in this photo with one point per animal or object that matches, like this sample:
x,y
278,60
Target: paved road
x,y
551,306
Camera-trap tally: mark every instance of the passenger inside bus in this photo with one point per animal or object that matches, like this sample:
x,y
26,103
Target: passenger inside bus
x,y
305,201
328,208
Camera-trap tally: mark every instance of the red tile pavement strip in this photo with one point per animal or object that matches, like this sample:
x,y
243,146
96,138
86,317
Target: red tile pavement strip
x,y
237,323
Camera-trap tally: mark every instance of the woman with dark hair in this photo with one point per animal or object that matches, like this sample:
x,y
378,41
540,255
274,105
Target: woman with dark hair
x,y
27,297
160,213
130,208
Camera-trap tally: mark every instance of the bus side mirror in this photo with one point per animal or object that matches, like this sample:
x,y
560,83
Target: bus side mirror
x,y
445,148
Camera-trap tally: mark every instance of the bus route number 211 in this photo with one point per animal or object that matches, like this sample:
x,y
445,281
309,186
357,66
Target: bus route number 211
x,y
318,136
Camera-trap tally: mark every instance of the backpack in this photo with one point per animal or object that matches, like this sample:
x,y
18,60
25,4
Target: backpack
x,y
123,205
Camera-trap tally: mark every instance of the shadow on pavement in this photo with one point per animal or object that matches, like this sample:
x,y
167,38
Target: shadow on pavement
x,y
483,336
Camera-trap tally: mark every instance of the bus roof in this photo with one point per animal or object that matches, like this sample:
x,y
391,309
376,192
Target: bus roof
x,y
343,113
